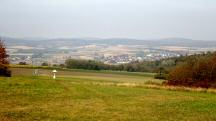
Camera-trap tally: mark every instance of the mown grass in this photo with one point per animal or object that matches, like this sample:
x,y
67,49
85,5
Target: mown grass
x,y
86,74
24,67
98,98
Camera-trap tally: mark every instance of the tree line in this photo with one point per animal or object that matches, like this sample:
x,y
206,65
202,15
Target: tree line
x,y
136,66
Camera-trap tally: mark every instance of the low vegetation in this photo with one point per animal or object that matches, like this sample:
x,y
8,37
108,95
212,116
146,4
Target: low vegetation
x,y
99,95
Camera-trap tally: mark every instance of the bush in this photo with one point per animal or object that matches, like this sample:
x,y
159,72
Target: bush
x,y
22,63
4,71
161,76
44,64
197,71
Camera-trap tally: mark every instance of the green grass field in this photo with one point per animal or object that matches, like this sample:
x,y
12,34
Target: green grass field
x,y
98,96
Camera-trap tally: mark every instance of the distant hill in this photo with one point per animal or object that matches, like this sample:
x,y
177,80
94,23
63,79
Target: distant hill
x,y
113,41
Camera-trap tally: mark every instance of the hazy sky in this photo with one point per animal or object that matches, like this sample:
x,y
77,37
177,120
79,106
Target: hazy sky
x,y
143,19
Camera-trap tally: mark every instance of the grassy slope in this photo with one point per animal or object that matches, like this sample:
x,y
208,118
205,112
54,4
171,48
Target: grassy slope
x,y
86,74
84,71
77,98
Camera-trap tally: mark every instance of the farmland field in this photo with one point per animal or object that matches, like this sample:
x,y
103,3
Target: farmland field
x,y
97,96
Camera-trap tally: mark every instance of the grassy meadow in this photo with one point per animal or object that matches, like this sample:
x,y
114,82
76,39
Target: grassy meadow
x,y
80,95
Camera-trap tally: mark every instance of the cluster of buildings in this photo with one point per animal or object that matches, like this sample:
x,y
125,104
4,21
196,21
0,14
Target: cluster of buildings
x,y
116,59
127,58
110,59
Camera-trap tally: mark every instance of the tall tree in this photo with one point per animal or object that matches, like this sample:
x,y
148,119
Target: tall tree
x,y
3,54
4,63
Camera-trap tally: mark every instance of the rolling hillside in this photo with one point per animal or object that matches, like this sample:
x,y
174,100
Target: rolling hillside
x,y
92,96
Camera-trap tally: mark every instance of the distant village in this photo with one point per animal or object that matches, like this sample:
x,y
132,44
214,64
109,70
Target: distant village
x,y
109,55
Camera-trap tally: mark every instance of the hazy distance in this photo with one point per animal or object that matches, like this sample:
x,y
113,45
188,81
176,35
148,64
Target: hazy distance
x,y
140,19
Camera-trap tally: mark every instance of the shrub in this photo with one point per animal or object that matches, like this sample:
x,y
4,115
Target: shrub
x,y
44,64
22,63
161,76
